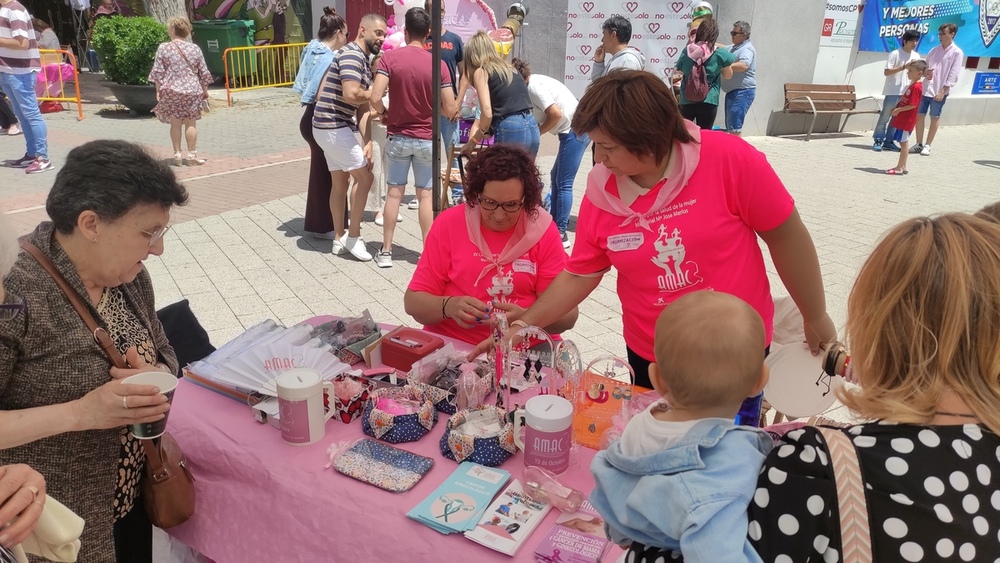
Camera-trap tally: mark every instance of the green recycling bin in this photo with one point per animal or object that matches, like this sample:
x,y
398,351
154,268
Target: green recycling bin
x,y
215,36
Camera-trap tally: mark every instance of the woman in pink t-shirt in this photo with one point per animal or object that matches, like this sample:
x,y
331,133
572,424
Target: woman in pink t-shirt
x,y
676,209
499,251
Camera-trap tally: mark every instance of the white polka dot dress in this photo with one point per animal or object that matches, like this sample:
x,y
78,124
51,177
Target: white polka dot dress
x,y
933,494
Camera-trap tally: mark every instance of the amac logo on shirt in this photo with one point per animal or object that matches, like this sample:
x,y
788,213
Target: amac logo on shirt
x,y
670,254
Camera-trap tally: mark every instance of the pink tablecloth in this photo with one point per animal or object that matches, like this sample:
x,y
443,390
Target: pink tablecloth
x,y
262,500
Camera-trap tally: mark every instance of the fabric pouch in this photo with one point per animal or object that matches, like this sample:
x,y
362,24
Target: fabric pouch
x,y
483,434
384,466
398,427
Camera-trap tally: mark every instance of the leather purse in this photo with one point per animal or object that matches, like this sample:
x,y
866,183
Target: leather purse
x,y
168,485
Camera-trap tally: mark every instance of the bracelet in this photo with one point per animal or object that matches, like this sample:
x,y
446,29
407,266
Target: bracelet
x,y
520,323
445,304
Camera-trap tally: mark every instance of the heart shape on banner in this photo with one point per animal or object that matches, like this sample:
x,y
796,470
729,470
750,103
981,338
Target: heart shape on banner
x,y
667,72
587,6
585,69
670,51
585,49
569,25
677,7
631,6
653,27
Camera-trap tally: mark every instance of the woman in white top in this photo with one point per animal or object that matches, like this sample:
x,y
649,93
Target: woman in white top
x,y
553,106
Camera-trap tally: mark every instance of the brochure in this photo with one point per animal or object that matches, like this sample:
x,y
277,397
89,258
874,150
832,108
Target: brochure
x,y
576,537
460,501
509,520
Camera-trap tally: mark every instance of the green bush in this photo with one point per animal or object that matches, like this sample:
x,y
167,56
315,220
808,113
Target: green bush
x,y
127,47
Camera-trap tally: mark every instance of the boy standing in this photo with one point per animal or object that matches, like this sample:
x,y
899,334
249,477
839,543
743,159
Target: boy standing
x,y
904,115
19,62
944,65
895,85
682,474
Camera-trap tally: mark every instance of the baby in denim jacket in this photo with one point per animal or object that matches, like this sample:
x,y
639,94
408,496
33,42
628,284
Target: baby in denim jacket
x,y
682,474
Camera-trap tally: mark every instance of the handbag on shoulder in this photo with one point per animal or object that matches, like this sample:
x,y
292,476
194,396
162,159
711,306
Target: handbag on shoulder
x,y
167,485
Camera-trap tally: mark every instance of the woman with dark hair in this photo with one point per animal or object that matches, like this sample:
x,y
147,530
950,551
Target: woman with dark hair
x,y
676,209
715,64
63,408
503,97
316,59
500,250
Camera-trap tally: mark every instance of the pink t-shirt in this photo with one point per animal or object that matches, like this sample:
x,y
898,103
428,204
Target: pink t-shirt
x,y
411,106
451,263
706,238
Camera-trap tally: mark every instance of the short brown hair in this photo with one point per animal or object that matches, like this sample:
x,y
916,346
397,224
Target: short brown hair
x,y
991,212
636,109
709,349
923,319
180,25
503,162
949,28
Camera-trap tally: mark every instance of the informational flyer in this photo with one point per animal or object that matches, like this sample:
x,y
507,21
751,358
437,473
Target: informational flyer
x,y
659,31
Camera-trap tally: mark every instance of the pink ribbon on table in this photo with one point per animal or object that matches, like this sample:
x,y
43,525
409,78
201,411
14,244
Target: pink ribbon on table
x,y
685,158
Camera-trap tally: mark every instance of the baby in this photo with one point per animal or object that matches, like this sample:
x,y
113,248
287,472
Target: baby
x,y
682,474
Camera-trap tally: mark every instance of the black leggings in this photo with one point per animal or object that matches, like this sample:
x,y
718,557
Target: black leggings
x,y
703,114
134,536
7,117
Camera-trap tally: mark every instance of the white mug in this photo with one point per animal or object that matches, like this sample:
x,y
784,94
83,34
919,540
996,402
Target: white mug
x,y
300,406
547,421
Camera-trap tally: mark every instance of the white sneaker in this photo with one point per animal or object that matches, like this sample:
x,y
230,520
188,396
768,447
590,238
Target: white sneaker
x,y
926,151
338,246
381,220
383,259
413,204
331,235
356,246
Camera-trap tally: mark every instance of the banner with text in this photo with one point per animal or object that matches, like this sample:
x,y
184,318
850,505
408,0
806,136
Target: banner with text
x,y
659,30
978,21
840,23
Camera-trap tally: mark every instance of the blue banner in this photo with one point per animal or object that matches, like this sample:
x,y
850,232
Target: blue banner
x,y
978,21
986,83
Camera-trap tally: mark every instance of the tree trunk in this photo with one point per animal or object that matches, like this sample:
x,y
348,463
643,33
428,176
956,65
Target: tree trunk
x,y
163,10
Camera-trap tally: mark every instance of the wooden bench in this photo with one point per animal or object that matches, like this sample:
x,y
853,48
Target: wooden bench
x,y
818,99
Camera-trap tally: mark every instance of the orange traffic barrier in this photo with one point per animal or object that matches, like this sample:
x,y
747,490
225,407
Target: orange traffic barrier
x,y
264,66
56,73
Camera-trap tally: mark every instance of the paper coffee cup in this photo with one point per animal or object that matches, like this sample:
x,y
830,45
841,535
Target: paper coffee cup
x,y
167,383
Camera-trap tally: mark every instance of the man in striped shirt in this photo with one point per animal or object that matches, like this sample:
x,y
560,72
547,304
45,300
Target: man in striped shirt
x,y
19,61
341,106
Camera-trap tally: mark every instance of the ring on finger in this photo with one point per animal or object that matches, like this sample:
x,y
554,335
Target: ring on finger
x,y
38,502
125,401
33,489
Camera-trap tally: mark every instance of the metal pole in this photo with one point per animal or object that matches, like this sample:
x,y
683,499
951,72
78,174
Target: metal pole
x,y
436,102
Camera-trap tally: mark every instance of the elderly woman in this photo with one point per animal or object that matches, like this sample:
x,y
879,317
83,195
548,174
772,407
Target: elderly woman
x,y
182,78
503,97
675,209
500,250
316,59
63,409
923,322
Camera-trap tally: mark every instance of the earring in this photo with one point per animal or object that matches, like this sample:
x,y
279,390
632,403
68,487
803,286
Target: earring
x,y
94,241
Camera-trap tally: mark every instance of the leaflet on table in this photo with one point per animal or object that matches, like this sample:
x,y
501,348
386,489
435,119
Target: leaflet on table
x,y
576,537
509,520
458,503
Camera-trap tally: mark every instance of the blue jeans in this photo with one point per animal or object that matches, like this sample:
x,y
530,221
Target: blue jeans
x,y
518,129
20,90
883,131
737,105
449,136
571,150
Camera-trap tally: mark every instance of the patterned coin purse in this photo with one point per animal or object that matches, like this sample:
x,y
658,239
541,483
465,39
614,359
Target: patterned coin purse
x,y
382,465
398,414
482,434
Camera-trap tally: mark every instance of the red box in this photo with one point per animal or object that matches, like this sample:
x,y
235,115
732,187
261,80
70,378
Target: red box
x,y
404,346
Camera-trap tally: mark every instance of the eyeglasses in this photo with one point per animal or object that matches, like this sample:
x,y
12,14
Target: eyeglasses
x,y
735,33
9,311
156,234
508,206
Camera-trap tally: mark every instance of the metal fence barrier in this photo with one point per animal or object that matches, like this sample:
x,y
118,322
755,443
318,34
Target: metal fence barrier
x,y
264,66
59,69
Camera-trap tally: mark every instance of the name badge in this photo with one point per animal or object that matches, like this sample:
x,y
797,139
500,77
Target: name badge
x,y
523,266
624,242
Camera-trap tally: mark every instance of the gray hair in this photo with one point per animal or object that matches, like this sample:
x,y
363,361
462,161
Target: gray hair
x,y
8,247
110,178
743,26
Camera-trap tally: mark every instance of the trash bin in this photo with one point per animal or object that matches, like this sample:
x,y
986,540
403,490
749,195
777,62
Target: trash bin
x,y
215,36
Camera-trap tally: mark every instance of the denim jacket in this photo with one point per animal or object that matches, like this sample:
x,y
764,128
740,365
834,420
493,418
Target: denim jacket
x,y
316,60
691,497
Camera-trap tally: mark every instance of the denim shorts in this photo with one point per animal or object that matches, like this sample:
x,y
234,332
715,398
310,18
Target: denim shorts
x,y
402,152
928,102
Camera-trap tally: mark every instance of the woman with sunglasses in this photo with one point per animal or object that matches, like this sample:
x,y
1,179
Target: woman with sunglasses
x,y
498,251
63,408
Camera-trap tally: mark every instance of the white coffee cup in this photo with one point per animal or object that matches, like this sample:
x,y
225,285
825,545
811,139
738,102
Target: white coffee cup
x,y
300,406
167,383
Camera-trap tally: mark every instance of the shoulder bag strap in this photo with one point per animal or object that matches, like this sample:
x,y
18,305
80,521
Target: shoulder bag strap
x,y
101,336
855,533
183,56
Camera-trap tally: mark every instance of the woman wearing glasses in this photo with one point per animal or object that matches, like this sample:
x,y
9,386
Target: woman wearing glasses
x,y
498,251
63,409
